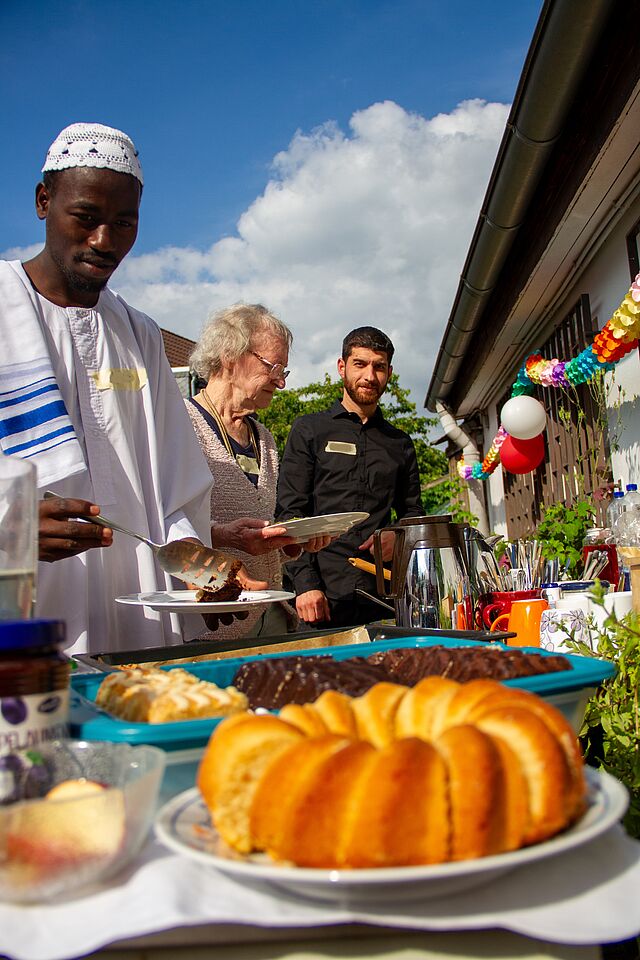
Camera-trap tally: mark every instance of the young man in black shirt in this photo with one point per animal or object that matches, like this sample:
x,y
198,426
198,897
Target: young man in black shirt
x,y
347,458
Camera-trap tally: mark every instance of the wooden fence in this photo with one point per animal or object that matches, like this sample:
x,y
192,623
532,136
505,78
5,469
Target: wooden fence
x,y
577,460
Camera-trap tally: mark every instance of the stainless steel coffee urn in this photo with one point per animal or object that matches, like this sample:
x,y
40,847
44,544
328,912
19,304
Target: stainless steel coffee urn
x,y
432,581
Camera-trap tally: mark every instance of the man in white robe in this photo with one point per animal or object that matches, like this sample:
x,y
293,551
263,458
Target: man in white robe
x,y
90,398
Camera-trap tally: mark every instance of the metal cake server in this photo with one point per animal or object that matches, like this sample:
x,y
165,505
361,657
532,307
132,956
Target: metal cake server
x,y
192,562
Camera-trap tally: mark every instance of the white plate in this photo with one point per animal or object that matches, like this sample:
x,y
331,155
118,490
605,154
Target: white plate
x,y
184,601
183,825
331,523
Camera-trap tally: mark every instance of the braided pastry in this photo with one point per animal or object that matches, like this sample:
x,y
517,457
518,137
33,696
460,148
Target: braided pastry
x,y
149,695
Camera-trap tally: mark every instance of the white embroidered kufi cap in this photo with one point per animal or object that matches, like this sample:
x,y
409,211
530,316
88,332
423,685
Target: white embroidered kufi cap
x,y
93,145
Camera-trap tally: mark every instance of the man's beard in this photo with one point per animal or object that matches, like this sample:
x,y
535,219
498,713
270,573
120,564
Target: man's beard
x,y
84,284
363,397
78,282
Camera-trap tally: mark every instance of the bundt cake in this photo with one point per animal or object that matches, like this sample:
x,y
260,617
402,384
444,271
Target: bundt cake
x,y
441,771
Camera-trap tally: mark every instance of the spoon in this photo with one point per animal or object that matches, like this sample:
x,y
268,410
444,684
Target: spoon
x,y
493,540
370,596
191,562
485,543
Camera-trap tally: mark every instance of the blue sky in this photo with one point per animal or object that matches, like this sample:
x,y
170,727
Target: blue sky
x,y
213,92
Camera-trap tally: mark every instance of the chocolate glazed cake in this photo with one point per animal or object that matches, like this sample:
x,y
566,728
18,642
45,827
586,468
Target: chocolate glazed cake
x,y
272,683
408,666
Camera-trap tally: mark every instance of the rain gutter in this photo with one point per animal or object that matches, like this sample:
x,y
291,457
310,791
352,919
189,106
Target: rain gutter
x,y
562,46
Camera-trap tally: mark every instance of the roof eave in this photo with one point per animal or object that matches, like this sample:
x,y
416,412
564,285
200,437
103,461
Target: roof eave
x,y
562,45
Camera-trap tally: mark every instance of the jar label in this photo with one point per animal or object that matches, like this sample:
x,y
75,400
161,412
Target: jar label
x,y
28,721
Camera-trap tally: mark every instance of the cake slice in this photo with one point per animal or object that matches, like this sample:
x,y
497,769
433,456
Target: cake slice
x,y
230,589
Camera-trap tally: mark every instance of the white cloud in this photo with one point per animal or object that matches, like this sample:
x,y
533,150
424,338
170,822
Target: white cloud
x,y
366,228
21,253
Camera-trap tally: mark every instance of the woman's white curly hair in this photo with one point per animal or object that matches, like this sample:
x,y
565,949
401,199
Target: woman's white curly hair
x,y
230,333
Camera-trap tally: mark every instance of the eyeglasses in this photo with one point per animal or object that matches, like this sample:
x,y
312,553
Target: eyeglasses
x,y
276,370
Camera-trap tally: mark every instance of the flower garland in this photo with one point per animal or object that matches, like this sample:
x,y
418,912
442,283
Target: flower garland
x,y
617,338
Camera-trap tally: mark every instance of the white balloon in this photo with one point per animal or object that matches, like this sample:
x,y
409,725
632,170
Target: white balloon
x,y
523,417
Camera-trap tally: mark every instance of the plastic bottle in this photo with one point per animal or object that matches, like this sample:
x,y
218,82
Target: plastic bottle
x,y
615,508
625,531
631,499
18,538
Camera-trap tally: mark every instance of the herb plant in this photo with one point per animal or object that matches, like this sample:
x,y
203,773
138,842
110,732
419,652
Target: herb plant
x,y
561,533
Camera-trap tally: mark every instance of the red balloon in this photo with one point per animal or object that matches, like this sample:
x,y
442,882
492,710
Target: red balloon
x,y
522,456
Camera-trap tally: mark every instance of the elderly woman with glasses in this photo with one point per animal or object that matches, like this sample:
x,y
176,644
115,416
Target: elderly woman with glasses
x,y
242,356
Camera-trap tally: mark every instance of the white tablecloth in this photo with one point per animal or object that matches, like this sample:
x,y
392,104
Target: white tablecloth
x,y
341,943
590,895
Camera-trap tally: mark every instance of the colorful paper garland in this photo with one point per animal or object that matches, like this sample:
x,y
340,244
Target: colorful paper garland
x,y
617,338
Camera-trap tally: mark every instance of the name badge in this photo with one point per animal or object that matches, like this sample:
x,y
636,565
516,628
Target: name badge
x,y
337,446
248,464
120,379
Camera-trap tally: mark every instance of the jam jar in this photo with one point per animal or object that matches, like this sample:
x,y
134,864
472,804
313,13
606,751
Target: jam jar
x,y
34,684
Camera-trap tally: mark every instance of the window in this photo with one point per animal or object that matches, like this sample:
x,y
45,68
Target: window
x,y
633,250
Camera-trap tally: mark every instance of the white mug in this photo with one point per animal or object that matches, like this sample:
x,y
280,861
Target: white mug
x,y
556,626
575,601
619,603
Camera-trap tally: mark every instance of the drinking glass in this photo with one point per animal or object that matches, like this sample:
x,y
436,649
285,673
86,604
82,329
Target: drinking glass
x,y
18,538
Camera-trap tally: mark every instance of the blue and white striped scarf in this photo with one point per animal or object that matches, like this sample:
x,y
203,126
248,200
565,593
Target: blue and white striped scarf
x,y
34,422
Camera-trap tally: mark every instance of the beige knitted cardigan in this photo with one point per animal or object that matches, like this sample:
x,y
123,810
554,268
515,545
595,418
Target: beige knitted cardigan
x,y
234,496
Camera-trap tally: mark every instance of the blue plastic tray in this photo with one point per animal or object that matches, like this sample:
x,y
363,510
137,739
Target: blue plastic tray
x,y
89,722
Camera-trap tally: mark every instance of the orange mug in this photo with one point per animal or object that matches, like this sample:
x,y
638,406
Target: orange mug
x,y
523,620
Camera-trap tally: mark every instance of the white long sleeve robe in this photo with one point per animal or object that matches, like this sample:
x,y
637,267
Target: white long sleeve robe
x,y
144,467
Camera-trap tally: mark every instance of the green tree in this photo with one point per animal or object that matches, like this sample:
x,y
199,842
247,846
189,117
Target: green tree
x,y
396,407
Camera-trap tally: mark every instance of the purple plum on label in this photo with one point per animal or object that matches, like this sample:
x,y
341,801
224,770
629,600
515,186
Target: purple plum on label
x,y
14,710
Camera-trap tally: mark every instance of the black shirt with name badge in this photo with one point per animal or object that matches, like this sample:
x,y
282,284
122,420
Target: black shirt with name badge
x,y
334,463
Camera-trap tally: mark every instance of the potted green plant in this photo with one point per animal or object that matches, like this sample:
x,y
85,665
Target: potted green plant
x,y
611,726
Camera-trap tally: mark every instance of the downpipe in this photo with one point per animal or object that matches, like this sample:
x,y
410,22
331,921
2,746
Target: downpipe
x,y
477,504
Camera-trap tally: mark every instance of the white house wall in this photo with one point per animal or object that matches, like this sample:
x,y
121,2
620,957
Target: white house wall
x,y
606,280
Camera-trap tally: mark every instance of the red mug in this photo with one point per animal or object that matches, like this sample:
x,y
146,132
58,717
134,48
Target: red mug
x,y
492,605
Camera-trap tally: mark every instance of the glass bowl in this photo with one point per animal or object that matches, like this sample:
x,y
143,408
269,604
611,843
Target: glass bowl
x,y
83,831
